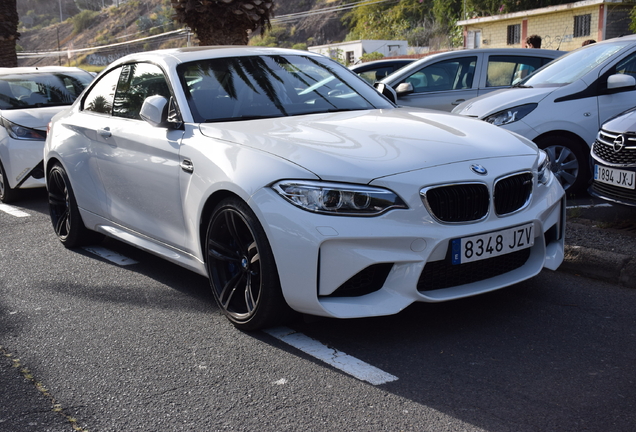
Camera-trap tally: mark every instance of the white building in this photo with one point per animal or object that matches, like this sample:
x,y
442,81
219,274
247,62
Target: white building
x,y
350,52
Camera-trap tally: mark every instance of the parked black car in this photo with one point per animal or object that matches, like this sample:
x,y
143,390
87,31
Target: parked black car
x,y
614,160
376,70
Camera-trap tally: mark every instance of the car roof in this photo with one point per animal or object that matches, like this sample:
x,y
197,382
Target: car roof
x,y
38,69
534,52
381,63
174,56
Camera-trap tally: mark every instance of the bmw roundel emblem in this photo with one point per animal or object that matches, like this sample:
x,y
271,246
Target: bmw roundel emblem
x,y
478,169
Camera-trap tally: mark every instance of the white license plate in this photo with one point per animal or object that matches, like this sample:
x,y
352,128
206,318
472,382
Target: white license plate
x,y
613,176
492,244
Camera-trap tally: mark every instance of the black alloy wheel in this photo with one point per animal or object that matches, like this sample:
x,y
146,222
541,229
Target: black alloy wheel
x,y
241,268
7,194
65,216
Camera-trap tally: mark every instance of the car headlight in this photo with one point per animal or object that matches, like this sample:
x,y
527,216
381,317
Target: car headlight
x,y
337,198
544,174
22,133
510,115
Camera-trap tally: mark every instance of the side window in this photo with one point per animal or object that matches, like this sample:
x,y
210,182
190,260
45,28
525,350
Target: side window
x,y
504,71
372,76
137,82
100,98
446,75
627,65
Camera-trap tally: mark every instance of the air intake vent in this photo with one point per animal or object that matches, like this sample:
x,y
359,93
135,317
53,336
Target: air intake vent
x,y
512,193
457,203
369,280
442,274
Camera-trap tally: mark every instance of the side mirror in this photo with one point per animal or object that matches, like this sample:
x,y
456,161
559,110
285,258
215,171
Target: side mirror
x,y
404,88
387,91
155,110
620,81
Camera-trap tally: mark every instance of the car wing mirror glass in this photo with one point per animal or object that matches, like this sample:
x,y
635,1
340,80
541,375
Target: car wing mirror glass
x,y
155,110
620,81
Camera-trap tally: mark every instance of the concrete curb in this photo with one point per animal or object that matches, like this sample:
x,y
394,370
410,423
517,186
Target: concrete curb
x,y
606,266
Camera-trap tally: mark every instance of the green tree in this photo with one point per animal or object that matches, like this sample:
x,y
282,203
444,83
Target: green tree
x,y
8,33
223,22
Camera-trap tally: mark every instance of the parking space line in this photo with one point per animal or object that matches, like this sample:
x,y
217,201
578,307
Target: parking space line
x,y
13,211
346,363
109,255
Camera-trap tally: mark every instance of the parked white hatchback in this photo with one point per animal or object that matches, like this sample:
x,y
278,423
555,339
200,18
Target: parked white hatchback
x,y
29,98
294,185
562,106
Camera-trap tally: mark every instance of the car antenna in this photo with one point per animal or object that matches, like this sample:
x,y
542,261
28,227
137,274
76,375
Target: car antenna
x,y
562,37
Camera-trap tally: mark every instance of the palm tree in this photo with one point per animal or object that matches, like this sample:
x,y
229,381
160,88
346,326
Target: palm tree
x,y
8,33
223,22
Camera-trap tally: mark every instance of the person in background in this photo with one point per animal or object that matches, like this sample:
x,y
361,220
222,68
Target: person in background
x,y
533,41
588,42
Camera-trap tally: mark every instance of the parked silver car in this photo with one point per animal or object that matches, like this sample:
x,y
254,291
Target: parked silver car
x,y
443,81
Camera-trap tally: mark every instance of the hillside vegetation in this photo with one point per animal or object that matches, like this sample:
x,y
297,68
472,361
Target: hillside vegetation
x,y
137,19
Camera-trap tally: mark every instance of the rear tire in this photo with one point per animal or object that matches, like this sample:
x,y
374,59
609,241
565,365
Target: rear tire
x,y
7,195
242,270
65,217
568,162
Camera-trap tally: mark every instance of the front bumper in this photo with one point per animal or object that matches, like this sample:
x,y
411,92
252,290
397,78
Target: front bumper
x,y
22,161
349,267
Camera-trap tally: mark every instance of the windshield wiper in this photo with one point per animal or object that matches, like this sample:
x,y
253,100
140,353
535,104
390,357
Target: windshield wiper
x,y
519,85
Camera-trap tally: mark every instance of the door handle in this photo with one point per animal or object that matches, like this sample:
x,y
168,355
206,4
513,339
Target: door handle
x,y
458,101
187,165
105,133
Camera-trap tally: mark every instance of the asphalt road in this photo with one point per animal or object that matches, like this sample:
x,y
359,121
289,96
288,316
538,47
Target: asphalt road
x,y
88,344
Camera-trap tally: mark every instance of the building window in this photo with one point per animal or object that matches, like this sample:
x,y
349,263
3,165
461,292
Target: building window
x,y
349,57
582,25
514,34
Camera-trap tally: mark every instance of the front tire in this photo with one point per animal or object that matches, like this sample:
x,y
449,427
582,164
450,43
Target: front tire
x,y
65,216
241,267
7,195
567,161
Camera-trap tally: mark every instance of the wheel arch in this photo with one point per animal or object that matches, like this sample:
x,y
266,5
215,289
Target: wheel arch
x,y
564,134
206,212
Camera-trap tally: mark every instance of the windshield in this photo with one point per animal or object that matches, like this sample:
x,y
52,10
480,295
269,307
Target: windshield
x,y
34,90
242,88
574,65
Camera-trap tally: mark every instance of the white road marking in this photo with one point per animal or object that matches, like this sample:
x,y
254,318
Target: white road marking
x,y
13,211
346,363
110,255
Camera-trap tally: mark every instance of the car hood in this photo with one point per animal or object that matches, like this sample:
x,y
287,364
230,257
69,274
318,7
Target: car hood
x,y
623,123
348,146
35,118
498,100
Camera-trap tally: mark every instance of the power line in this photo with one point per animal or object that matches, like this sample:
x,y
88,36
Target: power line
x,y
299,15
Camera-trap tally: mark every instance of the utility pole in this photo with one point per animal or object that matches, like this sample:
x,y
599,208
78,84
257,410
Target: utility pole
x,y
60,2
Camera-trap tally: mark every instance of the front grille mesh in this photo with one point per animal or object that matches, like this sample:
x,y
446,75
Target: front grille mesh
x,y
459,203
467,202
623,195
603,149
512,193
